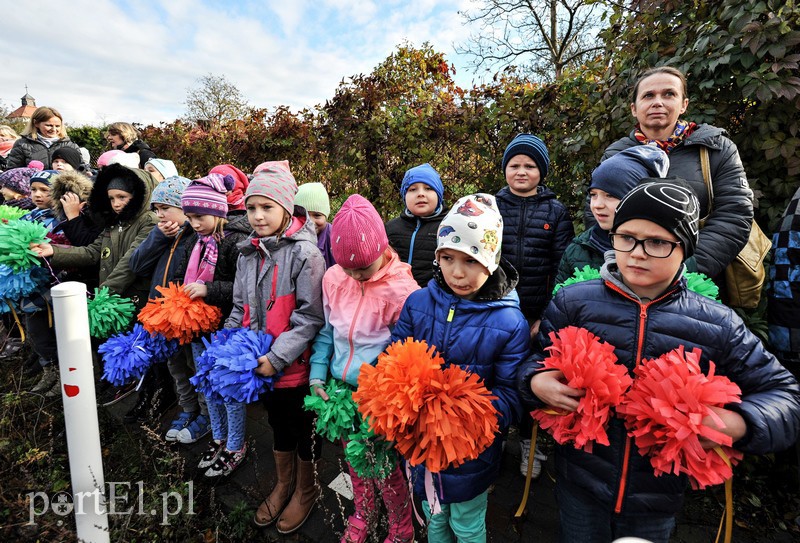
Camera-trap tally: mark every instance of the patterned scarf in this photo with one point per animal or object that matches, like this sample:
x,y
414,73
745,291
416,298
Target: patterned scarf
x,y
683,129
202,261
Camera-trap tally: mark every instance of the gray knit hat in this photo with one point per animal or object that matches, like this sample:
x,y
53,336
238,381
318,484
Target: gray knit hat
x,y
276,184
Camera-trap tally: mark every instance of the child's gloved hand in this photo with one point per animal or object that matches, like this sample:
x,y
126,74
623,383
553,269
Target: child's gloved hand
x,y
319,391
265,368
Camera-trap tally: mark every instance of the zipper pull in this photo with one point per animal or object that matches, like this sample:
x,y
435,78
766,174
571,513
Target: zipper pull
x,y
451,313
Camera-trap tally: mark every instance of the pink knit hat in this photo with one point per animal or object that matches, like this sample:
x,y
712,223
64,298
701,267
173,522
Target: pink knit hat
x,y
236,195
207,195
272,164
104,159
358,237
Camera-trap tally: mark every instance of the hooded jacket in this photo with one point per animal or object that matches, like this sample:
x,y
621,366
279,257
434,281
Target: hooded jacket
x,y
144,151
536,231
83,229
622,479
159,257
278,290
727,228
487,336
358,317
580,253
124,232
27,148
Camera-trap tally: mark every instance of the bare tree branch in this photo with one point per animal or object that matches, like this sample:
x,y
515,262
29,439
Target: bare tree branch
x,y
216,100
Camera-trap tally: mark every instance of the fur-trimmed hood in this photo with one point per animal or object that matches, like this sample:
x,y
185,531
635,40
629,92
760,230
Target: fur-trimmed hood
x,y
143,184
63,183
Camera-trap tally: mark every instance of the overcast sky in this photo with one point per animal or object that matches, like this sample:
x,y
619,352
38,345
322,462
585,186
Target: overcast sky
x,y
100,61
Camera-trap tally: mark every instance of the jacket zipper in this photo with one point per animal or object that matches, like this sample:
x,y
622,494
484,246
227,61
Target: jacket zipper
x,y
521,234
450,314
350,334
413,239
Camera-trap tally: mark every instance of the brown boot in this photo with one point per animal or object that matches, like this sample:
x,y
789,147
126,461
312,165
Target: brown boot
x,y
305,496
271,508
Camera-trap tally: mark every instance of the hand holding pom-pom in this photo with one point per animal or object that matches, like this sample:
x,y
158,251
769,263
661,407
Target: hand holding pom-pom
x,y
337,414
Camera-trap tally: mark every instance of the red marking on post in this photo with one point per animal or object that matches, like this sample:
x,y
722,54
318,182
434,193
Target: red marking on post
x,y
71,390
72,369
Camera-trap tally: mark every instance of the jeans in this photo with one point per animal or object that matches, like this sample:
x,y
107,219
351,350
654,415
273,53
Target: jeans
x,y
589,521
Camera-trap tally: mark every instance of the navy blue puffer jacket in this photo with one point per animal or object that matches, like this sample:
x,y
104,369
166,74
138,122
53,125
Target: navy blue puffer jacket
x,y
487,336
536,230
770,394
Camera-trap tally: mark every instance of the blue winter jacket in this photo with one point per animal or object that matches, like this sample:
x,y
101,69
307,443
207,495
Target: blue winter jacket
x,y
488,336
770,394
160,257
536,230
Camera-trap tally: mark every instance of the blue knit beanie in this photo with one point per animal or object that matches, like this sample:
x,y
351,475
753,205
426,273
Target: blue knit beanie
x,y
424,173
529,145
169,191
44,177
621,172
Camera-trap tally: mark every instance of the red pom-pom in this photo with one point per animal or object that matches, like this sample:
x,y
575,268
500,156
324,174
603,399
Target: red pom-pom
x,y
664,411
590,365
176,316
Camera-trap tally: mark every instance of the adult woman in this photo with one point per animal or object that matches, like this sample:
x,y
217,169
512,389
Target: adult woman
x,y
44,134
7,139
659,100
123,136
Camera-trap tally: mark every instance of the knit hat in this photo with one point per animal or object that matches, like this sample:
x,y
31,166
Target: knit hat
x,y
105,158
18,180
473,226
670,204
69,155
169,191
618,174
121,183
207,195
313,197
36,165
129,160
424,173
271,164
44,177
165,167
358,237
529,145
86,158
236,195
276,184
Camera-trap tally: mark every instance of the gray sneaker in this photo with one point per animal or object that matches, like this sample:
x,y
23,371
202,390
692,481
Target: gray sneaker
x,y
48,379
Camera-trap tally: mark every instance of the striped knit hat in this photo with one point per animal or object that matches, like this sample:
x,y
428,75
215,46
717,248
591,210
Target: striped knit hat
x,y
358,237
208,195
530,146
276,184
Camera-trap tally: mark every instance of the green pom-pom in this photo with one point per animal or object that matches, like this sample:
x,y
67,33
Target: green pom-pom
x,y
337,416
8,213
109,313
369,455
701,284
586,273
15,240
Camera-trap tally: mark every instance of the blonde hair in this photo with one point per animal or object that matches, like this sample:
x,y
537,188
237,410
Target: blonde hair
x,y
6,132
41,115
219,228
124,130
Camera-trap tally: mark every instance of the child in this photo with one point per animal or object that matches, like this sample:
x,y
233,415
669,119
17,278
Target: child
x,y
413,233
40,197
536,230
16,189
235,195
314,198
161,168
279,291
470,314
208,271
159,257
611,181
78,223
641,306
362,298
67,159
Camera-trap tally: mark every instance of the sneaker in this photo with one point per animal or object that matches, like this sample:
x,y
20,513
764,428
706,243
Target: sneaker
x,y
46,382
116,394
195,430
181,422
226,462
538,458
213,451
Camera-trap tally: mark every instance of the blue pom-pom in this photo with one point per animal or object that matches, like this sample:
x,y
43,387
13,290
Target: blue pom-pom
x,y
161,349
226,370
126,356
21,284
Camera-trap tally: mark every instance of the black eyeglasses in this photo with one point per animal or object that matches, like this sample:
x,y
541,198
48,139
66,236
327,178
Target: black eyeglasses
x,y
657,248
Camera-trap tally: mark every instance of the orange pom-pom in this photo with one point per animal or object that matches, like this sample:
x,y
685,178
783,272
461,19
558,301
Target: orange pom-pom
x,y
176,316
590,365
664,411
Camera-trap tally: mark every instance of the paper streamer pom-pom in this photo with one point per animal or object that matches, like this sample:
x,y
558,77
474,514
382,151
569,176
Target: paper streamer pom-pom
x,y
205,362
701,284
176,316
587,273
21,284
8,213
125,356
229,365
15,240
590,365
161,349
337,416
663,412
370,456
108,313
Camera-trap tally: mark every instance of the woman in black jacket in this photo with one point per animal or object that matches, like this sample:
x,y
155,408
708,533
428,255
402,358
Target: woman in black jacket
x,y
124,137
44,134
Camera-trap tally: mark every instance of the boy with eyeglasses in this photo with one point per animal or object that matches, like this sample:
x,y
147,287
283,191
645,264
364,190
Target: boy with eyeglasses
x,y
641,306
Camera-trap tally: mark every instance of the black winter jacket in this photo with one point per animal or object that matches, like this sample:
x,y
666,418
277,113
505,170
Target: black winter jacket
x,y
727,228
414,239
536,230
770,394
26,149
145,153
